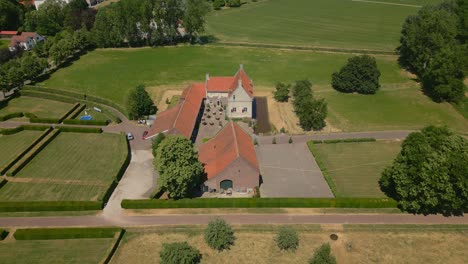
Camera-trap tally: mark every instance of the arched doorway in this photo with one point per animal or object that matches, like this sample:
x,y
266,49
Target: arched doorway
x,y
226,184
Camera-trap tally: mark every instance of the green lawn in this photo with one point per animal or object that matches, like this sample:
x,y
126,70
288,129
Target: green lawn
x,y
40,107
74,166
79,251
327,23
12,145
99,116
355,168
4,43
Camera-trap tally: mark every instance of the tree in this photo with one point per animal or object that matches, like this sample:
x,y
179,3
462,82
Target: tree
x,y
218,4
140,103
178,166
195,14
179,253
11,15
32,66
429,175
323,255
287,239
233,3
282,92
219,235
156,142
48,20
11,75
359,75
310,111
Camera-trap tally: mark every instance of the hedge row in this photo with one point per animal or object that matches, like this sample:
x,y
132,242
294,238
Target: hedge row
x,y
47,96
7,166
65,233
85,122
3,234
347,140
69,112
45,120
262,203
77,96
322,167
40,206
114,248
30,115
32,153
3,182
96,130
10,116
77,111
11,131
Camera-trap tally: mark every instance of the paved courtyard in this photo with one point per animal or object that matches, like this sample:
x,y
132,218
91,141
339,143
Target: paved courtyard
x,y
289,170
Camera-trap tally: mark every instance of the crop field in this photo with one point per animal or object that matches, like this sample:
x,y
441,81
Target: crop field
x,y
355,168
74,166
40,107
355,245
82,251
349,24
12,145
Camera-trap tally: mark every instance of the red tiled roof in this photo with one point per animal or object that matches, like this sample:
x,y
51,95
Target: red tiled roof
x,y
8,32
15,40
181,119
228,145
229,84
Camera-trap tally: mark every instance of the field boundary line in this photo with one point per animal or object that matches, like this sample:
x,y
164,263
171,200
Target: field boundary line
x,y
386,3
57,181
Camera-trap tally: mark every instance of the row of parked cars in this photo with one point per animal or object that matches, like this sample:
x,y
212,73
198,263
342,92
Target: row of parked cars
x,y
131,137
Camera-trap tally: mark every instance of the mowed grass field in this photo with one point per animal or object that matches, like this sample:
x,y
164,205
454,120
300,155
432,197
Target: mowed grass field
x,y
355,245
79,251
74,166
40,107
355,168
399,105
348,24
12,145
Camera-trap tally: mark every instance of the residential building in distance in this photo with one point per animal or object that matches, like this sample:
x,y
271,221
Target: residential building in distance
x,y
26,40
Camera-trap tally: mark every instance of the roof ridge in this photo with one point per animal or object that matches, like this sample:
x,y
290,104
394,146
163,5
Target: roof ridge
x,y
236,144
182,106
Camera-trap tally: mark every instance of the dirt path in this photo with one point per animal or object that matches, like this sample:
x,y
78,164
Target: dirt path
x,y
131,221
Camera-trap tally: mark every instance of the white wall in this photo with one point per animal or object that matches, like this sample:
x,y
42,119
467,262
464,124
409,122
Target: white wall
x,y
239,100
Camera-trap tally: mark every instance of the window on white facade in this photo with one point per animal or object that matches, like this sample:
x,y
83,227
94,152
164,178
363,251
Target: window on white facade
x,y
233,110
234,97
244,110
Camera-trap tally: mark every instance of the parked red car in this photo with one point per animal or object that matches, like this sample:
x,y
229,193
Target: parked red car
x,y
145,134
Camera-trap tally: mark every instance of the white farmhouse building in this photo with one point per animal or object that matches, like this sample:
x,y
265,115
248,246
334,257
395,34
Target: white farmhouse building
x,y
27,41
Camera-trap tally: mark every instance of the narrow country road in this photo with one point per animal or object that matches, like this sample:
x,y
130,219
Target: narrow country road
x,y
151,220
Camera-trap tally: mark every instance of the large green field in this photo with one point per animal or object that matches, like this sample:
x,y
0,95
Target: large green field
x,y
400,105
40,107
79,251
12,145
355,168
73,167
349,24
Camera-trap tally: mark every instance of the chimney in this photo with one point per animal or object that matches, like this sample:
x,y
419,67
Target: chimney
x,y
242,66
207,76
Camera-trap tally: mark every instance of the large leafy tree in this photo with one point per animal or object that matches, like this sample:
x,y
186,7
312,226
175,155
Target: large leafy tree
x,y
48,20
430,174
310,111
11,75
178,166
32,66
179,253
195,14
11,15
281,94
359,75
140,103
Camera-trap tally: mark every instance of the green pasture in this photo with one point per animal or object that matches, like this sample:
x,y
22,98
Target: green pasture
x,y
355,168
12,145
40,107
98,116
348,24
82,251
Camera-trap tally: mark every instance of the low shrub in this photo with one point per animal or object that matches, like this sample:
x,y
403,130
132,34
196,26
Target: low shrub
x,y
45,120
41,206
179,253
262,203
32,153
10,116
85,122
3,234
323,255
219,235
30,115
287,238
11,131
97,130
64,233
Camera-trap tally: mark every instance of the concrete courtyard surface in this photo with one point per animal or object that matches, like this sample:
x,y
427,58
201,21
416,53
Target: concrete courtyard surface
x,y
290,170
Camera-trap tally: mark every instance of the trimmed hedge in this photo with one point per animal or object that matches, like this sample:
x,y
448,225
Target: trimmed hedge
x,y
85,122
322,167
114,248
7,166
11,131
69,112
3,234
45,120
32,153
47,96
3,182
347,140
40,206
262,203
10,116
96,130
30,115
77,111
90,98
65,233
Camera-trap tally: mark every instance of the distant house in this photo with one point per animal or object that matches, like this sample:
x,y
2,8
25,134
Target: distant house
x,y
38,3
7,33
27,41
230,160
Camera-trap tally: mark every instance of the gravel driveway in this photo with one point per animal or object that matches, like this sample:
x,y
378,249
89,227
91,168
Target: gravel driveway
x,y
289,170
